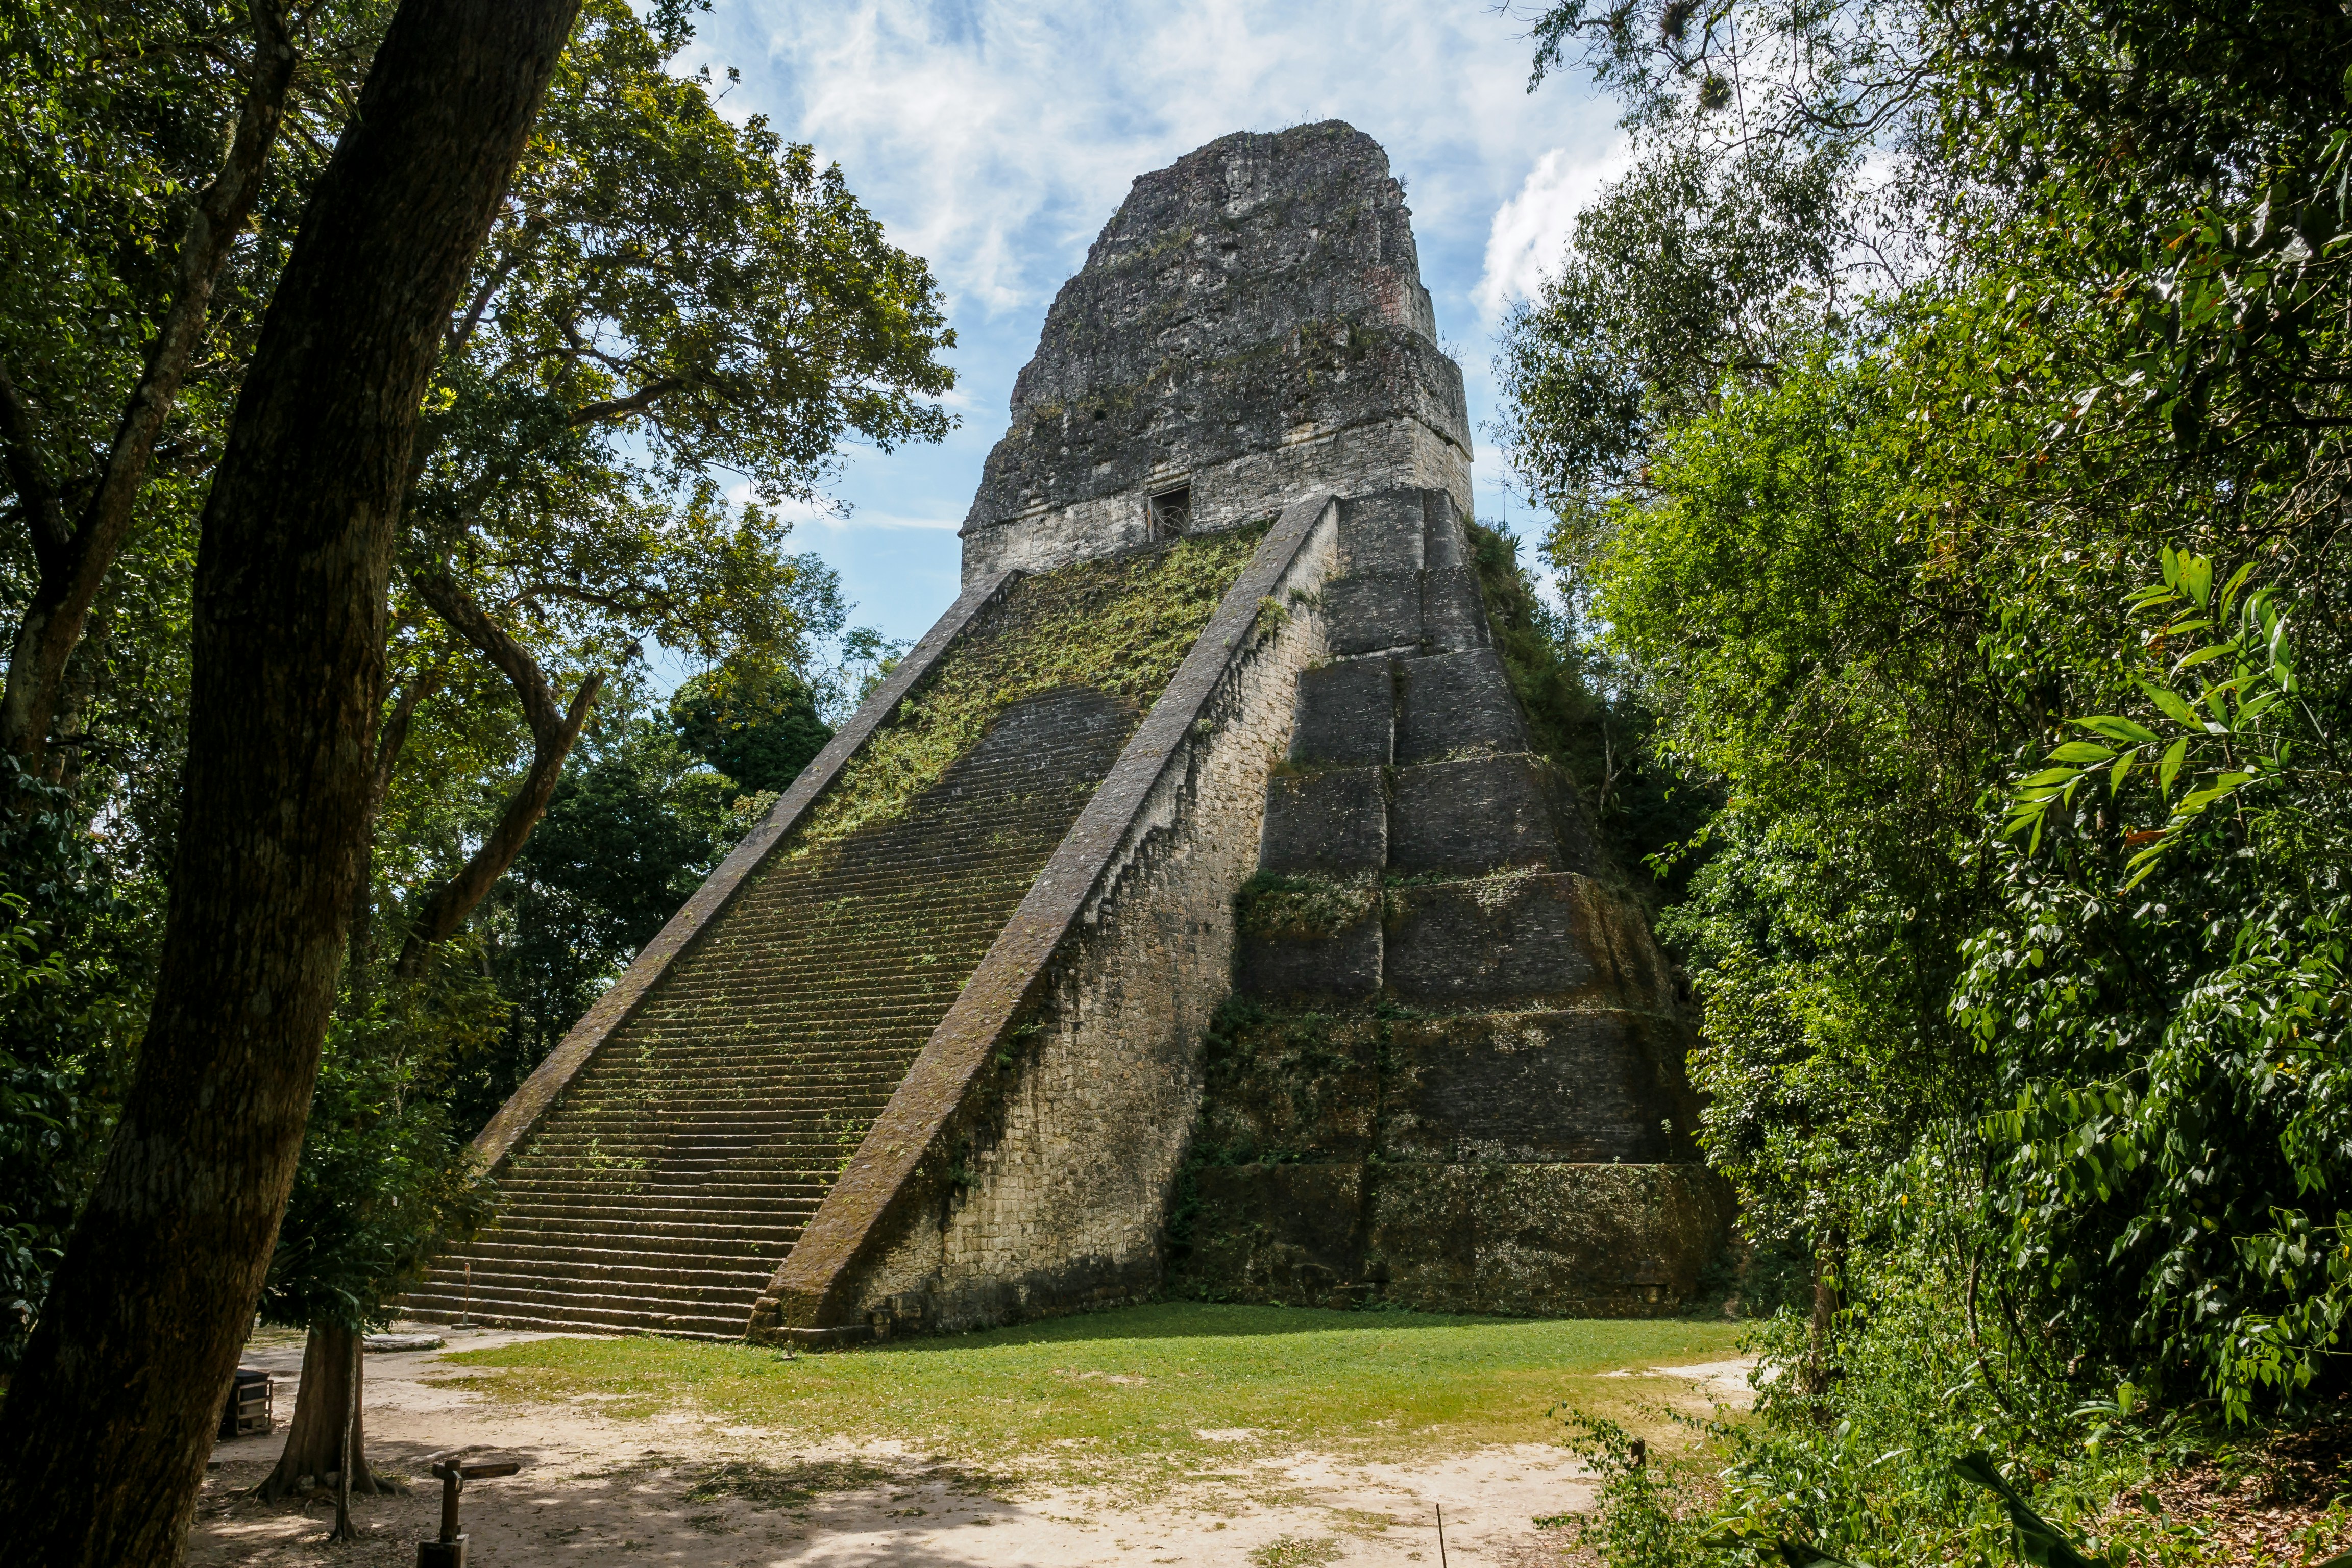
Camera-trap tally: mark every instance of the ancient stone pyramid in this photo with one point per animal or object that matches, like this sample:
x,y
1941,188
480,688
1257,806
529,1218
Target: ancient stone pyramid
x,y
1186,909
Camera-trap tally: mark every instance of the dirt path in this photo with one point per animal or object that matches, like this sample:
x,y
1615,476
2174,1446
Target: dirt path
x,y
676,1487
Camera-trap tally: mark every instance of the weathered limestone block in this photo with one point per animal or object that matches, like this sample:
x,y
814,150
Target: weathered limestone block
x,y
1512,939
1334,821
1453,611
1589,1087
1456,705
1618,1239
1289,1233
1309,966
1473,816
1346,715
1445,545
1374,614
1383,534
1293,1086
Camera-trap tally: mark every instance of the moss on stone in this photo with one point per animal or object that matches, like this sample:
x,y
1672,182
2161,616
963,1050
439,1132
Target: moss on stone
x,y
1119,626
1298,907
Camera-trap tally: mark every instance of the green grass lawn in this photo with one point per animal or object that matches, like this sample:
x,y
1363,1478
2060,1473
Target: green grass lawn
x,y
1104,1391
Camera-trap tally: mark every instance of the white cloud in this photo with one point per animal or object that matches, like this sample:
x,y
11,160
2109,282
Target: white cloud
x,y
996,136
1531,230
838,516
868,517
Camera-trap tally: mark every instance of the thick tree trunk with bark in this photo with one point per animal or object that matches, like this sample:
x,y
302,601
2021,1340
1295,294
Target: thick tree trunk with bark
x,y
333,1380
106,1429
71,561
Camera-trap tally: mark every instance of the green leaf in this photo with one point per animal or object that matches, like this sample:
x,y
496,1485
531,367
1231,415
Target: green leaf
x,y
2197,577
2169,769
2081,751
2039,1541
2055,776
2213,650
2190,804
2237,581
2118,729
2172,705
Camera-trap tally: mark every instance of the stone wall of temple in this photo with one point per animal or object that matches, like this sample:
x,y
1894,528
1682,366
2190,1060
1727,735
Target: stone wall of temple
x,y
1249,329
1189,900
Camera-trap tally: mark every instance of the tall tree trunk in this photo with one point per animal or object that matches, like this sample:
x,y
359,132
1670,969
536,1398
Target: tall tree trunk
x,y
553,731
348,1447
106,1429
333,1380
1828,1299
71,564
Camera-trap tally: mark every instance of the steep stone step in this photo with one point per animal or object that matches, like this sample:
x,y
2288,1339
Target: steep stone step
x,y
575,1313
660,1194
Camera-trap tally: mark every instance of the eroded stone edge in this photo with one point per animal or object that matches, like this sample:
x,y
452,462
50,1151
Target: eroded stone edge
x,y
528,1105
808,1291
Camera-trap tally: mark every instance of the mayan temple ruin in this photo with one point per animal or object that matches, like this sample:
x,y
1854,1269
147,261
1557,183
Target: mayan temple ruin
x,y
1187,911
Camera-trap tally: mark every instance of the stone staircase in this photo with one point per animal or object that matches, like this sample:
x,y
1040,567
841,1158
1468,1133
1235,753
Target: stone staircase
x,y
662,1192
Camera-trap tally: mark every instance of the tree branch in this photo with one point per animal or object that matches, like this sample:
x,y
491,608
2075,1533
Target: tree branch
x,y
554,733
394,733
441,594
637,402
60,605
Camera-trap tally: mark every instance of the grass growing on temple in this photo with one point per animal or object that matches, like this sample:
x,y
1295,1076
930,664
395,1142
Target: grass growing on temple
x,y
1149,1390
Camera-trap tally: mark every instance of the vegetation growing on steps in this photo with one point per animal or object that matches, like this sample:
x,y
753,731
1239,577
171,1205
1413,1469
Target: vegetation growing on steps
x,y
1274,904
1120,626
1281,1086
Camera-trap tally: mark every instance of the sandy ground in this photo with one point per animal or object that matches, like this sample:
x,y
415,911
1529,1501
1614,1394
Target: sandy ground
x,y
595,1489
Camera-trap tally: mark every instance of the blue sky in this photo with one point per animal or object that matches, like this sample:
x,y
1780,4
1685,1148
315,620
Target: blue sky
x,y
995,139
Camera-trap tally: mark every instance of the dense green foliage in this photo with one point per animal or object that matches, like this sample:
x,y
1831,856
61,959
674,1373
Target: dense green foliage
x,y
382,1184
758,729
73,954
1958,482
679,320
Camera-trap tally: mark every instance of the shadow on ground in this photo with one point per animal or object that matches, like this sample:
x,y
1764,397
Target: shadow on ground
x,y
655,1509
